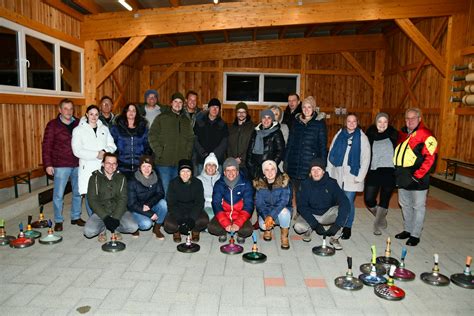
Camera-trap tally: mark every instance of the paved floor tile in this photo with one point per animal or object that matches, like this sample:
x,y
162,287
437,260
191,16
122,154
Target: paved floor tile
x,y
319,283
274,282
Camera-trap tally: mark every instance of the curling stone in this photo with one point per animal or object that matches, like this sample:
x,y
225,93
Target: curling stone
x,y
372,278
434,277
348,282
365,268
4,239
51,238
401,273
22,241
231,248
465,279
30,233
113,245
386,260
188,246
41,222
389,291
254,256
324,250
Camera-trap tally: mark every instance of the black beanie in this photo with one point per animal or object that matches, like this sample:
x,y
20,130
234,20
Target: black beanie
x,y
185,164
318,162
214,102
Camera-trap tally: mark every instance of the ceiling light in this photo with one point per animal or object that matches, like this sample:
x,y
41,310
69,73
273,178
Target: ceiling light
x,y
216,1
125,5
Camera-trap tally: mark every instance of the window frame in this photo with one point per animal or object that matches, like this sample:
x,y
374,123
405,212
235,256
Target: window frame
x,y
22,32
261,85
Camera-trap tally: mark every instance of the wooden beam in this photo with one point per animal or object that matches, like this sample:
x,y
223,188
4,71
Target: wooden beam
x,y
91,64
89,5
226,36
198,38
304,62
310,30
250,49
114,77
145,80
282,32
358,67
405,68
170,40
337,29
171,69
64,8
458,111
117,59
254,34
220,79
332,72
377,94
234,15
37,26
423,44
469,50
6,98
367,26
135,4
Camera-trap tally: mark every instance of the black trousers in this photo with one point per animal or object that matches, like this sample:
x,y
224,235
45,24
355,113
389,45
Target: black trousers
x,y
372,191
171,224
215,228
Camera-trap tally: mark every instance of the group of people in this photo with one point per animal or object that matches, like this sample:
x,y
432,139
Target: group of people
x,y
184,169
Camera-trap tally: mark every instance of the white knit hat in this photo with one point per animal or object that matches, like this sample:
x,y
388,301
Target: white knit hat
x,y
211,159
268,163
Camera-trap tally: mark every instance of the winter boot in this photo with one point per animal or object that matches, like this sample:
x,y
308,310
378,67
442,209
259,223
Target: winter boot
x,y
267,235
156,230
381,217
285,244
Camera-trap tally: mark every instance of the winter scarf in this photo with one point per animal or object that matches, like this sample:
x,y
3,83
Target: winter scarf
x,y
148,182
338,151
261,134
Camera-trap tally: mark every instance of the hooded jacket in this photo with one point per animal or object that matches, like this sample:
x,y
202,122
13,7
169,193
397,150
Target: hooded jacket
x,y
239,138
270,200
208,181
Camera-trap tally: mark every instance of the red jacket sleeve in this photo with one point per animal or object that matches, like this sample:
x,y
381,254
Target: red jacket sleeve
x,y
429,151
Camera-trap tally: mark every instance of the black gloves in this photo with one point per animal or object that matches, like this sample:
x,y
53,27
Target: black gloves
x,y
186,225
333,230
111,223
319,229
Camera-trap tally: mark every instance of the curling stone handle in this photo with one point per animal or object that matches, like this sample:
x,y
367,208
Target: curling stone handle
x,y
2,222
392,270
21,226
30,218
387,249
468,261
404,253
41,208
436,258
374,254
349,263
254,237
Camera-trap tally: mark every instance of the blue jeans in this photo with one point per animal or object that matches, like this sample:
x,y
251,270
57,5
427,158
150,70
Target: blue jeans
x,y
351,196
61,177
167,174
88,208
145,223
284,219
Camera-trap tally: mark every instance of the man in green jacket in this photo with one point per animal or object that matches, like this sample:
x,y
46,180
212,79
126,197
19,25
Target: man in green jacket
x,y
171,137
107,196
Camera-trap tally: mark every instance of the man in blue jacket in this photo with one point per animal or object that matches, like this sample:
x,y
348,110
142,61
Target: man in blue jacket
x,y
320,202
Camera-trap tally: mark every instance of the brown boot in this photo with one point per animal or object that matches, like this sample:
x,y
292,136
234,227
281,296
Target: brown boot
x,y
285,243
195,236
156,230
177,237
267,235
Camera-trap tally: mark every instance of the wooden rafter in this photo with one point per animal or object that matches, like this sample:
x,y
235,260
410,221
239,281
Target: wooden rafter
x,y
89,5
171,69
254,34
366,27
234,15
198,38
135,4
120,89
170,40
263,48
358,67
422,63
310,30
117,59
423,44
282,32
64,8
226,36
337,29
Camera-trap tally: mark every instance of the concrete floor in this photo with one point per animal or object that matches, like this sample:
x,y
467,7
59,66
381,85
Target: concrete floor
x,y
151,278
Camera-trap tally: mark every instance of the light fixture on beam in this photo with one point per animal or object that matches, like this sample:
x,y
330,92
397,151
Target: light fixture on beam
x,y
216,1
125,5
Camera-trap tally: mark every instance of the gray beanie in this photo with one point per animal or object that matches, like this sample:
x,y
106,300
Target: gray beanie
x,y
267,112
230,162
379,115
151,91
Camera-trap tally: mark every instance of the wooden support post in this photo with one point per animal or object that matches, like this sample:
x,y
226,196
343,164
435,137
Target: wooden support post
x,y
145,80
220,80
447,136
91,64
377,96
303,76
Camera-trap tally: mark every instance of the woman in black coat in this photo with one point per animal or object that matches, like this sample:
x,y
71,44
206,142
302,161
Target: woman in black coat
x,y
266,143
185,200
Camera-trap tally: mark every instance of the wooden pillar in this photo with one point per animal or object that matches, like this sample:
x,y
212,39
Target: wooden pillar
x,y
377,96
220,80
303,76
91,65
145,81
448,120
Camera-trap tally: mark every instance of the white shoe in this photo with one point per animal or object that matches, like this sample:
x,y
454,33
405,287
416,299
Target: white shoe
x,y
335,243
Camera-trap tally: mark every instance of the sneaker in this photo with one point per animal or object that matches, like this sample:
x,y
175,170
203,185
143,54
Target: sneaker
x,y
136,234
403,235
102,237
413,241
307,235
222,238
240,240
335,243
346,233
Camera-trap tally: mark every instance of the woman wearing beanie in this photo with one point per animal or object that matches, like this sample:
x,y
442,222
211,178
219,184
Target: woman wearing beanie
x,y
146,198
185,200
380,178
130,134
208,177
266,143
348,163
273,201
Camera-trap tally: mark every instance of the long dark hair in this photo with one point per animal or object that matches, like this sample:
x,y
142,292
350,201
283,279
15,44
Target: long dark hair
x,y
123,115
91,107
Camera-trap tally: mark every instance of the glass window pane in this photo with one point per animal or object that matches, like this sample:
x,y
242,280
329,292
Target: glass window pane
x,y
277,88
242,87
71,70
9,70
40,54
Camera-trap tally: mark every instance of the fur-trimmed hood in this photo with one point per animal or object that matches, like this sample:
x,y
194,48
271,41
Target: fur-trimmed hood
x,y
282,180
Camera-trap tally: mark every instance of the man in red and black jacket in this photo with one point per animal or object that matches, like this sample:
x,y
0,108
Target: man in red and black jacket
x,y
414,159
232,202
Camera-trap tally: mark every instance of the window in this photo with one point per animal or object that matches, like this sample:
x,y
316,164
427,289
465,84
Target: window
x,y
255,88
34,63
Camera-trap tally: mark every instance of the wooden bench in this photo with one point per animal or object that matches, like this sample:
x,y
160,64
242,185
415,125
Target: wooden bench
x,y
453,163
22,176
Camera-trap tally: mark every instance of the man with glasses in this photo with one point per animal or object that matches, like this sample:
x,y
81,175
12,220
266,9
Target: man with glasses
x,y
414,159
240,133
